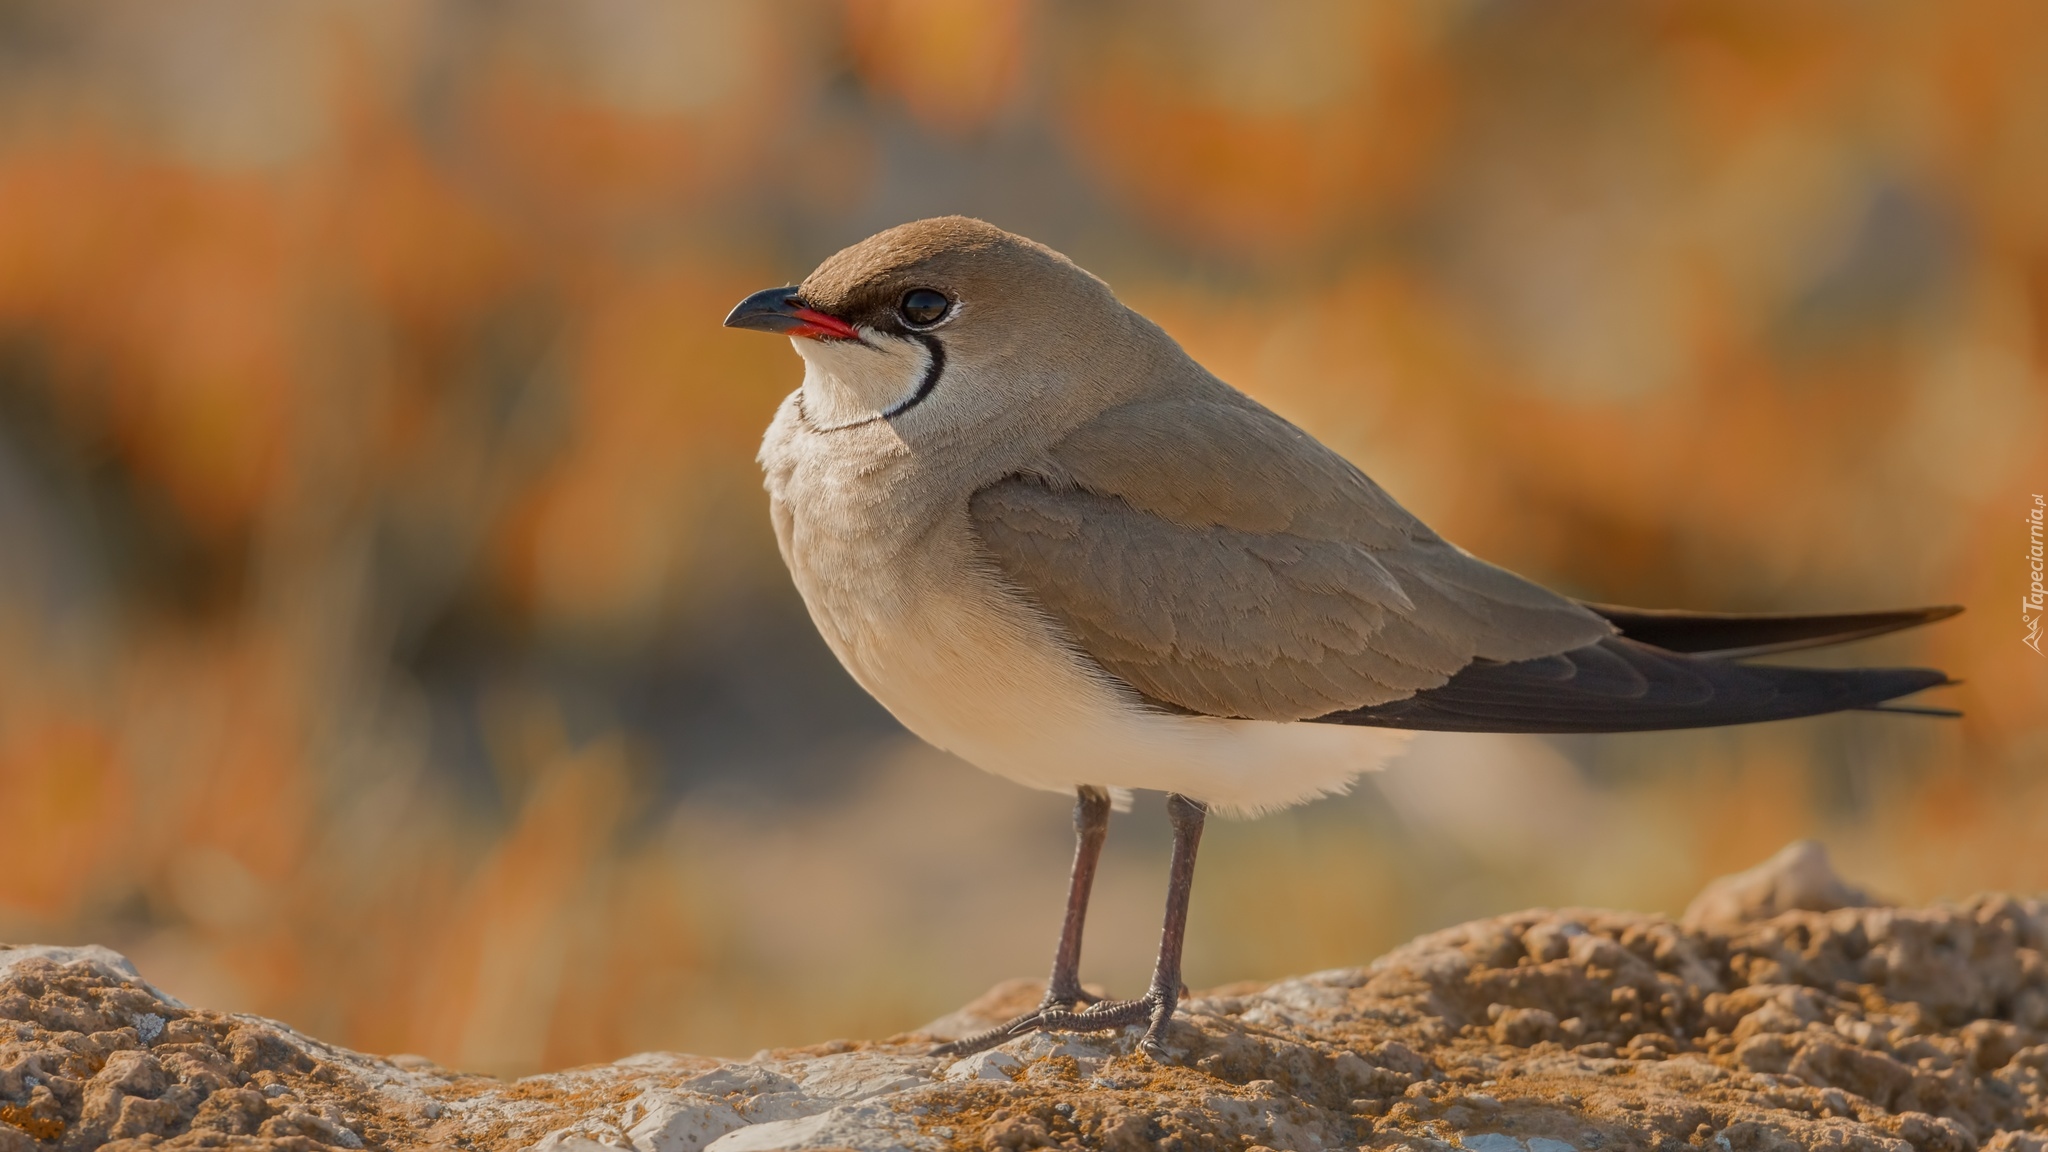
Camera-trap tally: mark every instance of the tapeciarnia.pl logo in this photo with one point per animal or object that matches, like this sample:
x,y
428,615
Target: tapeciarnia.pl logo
x,y
2035,604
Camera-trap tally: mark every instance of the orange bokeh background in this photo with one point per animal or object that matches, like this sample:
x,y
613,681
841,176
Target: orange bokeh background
x,y
391,640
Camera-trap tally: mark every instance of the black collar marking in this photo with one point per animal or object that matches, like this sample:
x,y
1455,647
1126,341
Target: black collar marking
x,y
937,351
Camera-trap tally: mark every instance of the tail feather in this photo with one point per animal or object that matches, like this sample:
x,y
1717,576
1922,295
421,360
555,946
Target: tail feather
x,y
1622,685
1726,636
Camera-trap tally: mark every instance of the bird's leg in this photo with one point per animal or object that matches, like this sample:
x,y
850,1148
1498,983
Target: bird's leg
x,y
1063,990
1187,817
1091,828
1155,1008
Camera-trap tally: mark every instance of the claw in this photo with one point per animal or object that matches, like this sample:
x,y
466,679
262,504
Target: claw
x,y
981,1041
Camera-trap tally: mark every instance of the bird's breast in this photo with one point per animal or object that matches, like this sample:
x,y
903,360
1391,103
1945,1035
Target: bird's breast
x,y
897,584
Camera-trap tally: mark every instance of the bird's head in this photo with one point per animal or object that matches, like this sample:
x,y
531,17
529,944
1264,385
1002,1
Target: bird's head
x,y
949,324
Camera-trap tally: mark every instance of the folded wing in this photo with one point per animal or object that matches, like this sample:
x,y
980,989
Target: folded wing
x,y
1219,561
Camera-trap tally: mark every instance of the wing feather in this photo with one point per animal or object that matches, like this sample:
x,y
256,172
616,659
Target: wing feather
x,y
1728,635
1220,561
1621,685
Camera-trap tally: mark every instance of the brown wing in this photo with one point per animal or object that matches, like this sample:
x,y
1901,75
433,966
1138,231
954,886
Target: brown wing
x,y
1218,559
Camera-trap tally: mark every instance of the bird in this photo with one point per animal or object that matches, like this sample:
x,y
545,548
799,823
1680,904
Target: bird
x,y
1047,540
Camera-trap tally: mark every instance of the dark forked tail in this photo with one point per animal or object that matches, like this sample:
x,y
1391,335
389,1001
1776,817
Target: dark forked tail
x,y
1667,670
1728,636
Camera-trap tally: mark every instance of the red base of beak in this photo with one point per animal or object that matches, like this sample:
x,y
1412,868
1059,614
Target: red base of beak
x,y
820,326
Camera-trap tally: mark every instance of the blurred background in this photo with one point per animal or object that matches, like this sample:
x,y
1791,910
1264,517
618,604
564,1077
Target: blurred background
x,y
391,636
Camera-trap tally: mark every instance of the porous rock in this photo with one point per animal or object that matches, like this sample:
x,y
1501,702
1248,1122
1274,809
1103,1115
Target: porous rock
x,y
1798,878
1852,1029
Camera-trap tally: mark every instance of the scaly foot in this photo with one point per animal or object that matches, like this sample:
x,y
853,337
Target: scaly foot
x,y
1154,1009
1016,1025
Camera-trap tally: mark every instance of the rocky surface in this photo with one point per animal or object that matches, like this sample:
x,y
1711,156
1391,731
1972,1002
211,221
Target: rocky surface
x,y
1767,1020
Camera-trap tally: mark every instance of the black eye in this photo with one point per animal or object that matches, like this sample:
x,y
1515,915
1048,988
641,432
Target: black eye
x,y
922,306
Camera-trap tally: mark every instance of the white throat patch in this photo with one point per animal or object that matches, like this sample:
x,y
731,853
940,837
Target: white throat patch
x,y
848,382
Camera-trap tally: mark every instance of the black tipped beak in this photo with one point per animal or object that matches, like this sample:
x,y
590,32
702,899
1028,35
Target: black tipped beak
x,y
769,310
779,310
